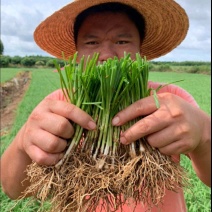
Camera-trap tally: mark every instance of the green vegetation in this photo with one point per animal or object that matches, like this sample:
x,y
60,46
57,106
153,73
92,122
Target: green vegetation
x,y
9,73
199,85
28,61
155,66
1,47
181,67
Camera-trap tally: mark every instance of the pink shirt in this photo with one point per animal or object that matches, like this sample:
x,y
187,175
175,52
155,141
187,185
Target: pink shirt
x,y
172,202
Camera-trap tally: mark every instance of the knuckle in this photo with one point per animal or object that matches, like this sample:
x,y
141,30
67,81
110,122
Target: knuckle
x,y
166,97
143,126
35,115
184,130
41,159
44,158
52,144
139,107
69,108
184,146
28,132
171,105
176,113
62,126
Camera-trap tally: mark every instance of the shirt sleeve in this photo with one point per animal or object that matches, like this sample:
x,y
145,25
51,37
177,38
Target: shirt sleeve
x,y
174,90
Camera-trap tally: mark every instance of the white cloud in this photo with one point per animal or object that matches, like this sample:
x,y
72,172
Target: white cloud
x,y
19,19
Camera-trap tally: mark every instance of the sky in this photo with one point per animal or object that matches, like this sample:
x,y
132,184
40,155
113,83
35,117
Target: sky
x,y
19,18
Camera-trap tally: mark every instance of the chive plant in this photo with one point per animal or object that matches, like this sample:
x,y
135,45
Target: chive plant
x,y
101,91
96,166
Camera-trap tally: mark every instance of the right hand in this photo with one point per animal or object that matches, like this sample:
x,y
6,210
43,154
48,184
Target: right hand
x,y
44,134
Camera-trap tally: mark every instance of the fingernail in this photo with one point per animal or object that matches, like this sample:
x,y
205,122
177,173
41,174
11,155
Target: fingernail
x,y
92,125
116,120
123,140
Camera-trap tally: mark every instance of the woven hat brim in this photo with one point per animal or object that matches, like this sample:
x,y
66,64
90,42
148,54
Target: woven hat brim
x,y
166,27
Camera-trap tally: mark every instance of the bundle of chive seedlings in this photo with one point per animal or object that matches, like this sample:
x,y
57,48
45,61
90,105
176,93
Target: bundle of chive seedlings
x,y
97,172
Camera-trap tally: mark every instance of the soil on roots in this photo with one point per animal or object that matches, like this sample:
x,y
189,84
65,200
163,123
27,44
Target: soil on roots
x,y
11,94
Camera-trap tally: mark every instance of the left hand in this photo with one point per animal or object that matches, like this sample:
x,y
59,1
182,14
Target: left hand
x,y
175,128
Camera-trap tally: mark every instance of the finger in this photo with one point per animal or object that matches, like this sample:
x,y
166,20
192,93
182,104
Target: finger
x,y
176,147
163,137
171,134
72,112
146,126
42,157
49,143
142,107
167,135
53,123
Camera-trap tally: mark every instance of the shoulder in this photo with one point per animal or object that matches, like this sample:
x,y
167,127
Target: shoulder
x,y
174,89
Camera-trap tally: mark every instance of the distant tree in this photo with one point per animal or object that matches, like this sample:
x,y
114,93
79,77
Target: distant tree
x,y
4,62
40,63
1,47
16,60
27,61
50,63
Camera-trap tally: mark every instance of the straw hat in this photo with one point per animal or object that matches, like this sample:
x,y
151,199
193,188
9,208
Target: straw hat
x,y
166,26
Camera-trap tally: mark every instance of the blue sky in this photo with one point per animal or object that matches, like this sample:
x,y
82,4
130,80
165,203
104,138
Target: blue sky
x,y
19,18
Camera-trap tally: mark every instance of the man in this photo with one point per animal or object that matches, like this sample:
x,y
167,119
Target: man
x,y
150,27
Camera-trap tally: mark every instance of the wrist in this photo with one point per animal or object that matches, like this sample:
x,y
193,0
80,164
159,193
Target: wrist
x,y
205,139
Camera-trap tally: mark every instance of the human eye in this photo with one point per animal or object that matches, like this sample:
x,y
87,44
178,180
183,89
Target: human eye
x,y
92,43
121,42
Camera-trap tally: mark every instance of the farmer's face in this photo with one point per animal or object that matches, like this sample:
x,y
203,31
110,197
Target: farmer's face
x,y
108,34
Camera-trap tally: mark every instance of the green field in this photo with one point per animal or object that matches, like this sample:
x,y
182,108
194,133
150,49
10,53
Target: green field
x,y
8,74
44,81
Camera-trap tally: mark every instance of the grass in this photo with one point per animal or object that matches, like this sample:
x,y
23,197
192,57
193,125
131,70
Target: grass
x,y
8,73
44,81
198,85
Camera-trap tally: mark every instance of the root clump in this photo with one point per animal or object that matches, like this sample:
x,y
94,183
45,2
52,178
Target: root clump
x,y
79,185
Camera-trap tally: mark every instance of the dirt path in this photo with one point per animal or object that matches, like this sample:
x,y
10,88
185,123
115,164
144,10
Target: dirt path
x,y
11,94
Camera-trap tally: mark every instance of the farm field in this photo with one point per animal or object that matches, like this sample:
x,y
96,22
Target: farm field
x,y
9,73
44,81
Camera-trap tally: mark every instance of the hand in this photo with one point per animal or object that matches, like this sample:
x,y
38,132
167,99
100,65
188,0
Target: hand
x,y
175,128
48,127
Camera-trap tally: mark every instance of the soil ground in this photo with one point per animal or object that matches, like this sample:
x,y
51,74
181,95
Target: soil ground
x,y
11,94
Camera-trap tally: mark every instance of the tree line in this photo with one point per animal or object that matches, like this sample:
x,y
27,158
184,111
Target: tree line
x,y
29,61
48,62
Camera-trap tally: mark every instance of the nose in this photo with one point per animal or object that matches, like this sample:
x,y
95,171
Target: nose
x,y
107,51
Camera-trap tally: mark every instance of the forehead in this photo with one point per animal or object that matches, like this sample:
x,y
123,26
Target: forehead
x,y
109,20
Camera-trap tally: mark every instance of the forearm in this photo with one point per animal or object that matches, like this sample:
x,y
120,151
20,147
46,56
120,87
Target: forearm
x,y
201,156
13,166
